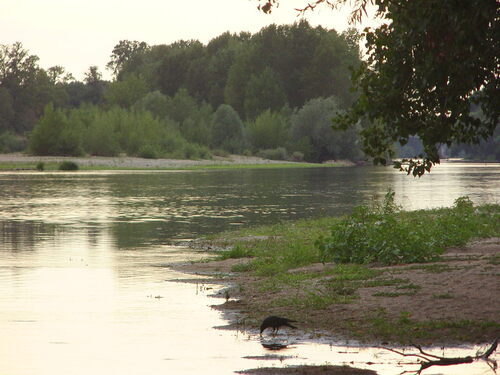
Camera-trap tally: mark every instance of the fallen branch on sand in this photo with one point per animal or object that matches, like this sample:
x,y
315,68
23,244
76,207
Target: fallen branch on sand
x,y
428,360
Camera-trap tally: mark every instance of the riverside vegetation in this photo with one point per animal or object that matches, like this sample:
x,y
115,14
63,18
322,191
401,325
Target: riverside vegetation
x,y
328,272
187,100
271,94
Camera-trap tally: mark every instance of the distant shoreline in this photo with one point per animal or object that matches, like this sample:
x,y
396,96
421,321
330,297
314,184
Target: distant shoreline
x,y
19,161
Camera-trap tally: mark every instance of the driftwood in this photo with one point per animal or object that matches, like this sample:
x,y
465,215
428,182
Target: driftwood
x,y
427,360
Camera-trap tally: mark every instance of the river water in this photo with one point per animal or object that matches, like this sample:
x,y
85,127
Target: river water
x,y
83,283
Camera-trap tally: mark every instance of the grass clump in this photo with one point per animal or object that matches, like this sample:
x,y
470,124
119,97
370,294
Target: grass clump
x,y
384,234
68,166
235,252
40,166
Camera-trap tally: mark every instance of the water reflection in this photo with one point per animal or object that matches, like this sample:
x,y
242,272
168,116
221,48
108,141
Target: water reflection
x,y
81,256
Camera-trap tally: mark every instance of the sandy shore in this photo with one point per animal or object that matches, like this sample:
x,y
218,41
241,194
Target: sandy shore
x,y
460,287
133,162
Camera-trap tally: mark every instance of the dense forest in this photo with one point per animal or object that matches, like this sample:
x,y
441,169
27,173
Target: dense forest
x,y
271,94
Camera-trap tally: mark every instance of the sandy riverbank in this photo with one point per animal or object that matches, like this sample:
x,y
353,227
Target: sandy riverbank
x,y
134,162
462,287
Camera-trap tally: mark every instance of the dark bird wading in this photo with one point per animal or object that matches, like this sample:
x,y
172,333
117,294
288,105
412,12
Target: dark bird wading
x,y
275,322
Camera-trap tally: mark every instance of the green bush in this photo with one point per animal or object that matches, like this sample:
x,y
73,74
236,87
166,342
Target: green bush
x,y
110,132
54,135
40,166
11,143
297,156
273,154
68,166
148,152
312,134
126,91
381,233
220,152
101,139
268,131
227,129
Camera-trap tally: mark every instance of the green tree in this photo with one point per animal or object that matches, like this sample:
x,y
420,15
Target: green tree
x,y
6,109
227,129
264,91
126,92
181,106
196,128
221,53
237,79
154,102
123,53
427,65
58,75
54,135
172,71
268,131
329,70
311,130
19,75
95,86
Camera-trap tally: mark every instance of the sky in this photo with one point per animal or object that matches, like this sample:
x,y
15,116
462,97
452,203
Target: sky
x,y
76,34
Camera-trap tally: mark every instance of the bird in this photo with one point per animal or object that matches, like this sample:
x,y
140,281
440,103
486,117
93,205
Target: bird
x,y
275,322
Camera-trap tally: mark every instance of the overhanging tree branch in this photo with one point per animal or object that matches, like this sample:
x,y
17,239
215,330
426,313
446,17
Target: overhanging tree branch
x,y
429,360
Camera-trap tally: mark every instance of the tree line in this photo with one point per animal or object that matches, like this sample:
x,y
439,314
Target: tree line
x,y
272,94
429,64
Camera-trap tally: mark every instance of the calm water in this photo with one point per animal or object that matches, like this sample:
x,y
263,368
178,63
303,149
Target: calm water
x,y
83,256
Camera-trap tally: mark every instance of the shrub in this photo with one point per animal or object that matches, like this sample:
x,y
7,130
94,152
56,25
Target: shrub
x,y
126,92
101,139
381,233
148,152
154,102
68,166
227,129
220,152
312,134
11,143
273,154
53,135
40,166
297,156
268,131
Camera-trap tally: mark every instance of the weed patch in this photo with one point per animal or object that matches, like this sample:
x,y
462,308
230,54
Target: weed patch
x,y
68,166
382,233
235,253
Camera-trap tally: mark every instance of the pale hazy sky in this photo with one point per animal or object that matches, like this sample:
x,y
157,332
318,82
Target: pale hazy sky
x,y
77,34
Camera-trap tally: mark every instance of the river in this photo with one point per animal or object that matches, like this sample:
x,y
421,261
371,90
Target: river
x,y
83,277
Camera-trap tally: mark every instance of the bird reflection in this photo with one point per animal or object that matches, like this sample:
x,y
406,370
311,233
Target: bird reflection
x,y
274,345
275,323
